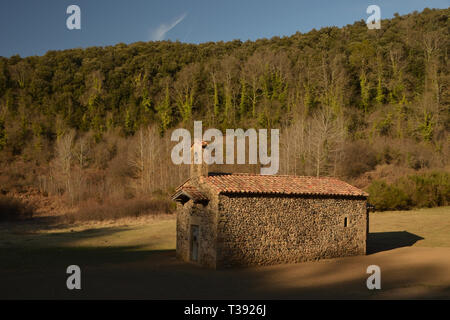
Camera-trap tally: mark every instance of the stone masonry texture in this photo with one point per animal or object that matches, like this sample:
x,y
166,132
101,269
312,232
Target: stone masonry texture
x,y
248,230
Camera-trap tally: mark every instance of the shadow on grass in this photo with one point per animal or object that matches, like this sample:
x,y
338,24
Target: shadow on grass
x,y
127,273
132,272
57,249
383,241
41,272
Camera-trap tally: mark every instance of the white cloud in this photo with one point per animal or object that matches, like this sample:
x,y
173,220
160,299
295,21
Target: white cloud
x,y
160,32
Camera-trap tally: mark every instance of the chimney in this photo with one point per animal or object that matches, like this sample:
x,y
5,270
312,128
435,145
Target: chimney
x,y
198,167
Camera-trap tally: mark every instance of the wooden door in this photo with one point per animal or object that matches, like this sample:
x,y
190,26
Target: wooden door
x,y
194,242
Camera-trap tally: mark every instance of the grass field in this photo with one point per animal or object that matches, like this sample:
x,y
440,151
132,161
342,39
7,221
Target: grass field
x,y
433,225
136,259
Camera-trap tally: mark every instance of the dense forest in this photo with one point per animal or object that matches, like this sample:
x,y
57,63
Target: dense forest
x,y
94,124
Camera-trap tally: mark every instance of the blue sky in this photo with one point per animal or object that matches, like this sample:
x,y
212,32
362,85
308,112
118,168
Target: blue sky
x,y
34,27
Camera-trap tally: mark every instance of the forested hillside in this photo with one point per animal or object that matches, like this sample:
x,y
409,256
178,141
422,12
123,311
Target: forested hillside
x,y
95,123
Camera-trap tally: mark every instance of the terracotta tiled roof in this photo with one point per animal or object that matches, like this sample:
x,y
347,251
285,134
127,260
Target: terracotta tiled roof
x,y
273,184
191,192
195,193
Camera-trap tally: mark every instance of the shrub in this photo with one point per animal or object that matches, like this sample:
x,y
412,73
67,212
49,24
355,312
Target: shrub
x,y
116,209
12,209
359,157
430,189
387,197
427,190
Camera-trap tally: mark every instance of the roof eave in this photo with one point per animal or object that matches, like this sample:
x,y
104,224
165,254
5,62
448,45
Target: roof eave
x,y
329,195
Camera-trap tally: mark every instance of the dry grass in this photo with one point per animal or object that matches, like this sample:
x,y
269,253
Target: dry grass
x,y
385,172
433,224
137,261
91,210
148,232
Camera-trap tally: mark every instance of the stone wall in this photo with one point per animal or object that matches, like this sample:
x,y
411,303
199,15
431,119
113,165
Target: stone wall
x,y
264,230
183,230
205,216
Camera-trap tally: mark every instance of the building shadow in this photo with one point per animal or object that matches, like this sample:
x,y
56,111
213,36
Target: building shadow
x,y
135,272
384,241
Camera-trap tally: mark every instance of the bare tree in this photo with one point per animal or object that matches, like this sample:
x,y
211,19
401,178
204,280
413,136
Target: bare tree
x,y
325,135
81,150
143,158
62,163
251,73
